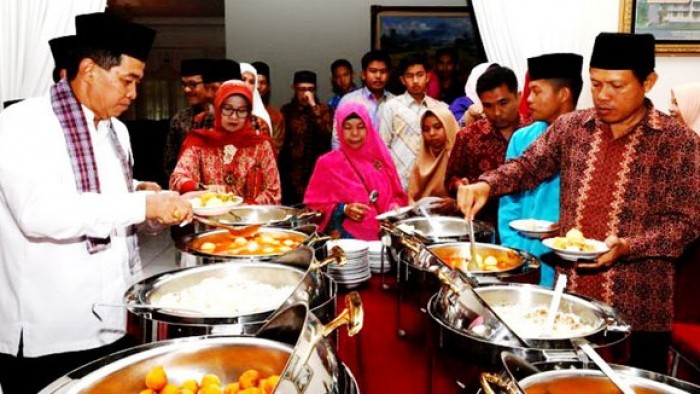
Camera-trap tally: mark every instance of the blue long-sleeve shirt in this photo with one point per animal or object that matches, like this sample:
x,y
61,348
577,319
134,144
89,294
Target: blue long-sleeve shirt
x,y
539,203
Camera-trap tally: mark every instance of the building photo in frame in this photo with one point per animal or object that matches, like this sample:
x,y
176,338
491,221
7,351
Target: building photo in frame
x,y
401,31
674,23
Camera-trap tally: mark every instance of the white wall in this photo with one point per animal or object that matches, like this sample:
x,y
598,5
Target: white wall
x,y
292,35
297,34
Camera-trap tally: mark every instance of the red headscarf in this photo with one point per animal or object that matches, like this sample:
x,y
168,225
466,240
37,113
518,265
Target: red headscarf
x,y
218,136
348,175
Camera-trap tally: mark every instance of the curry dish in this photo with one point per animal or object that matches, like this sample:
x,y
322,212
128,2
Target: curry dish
x,y
487,261
259,244
582,385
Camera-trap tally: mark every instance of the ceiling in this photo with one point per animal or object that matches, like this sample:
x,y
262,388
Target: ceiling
x,y
167,8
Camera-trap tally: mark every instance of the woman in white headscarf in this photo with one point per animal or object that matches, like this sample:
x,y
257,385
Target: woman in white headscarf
x,y
685,105
250,76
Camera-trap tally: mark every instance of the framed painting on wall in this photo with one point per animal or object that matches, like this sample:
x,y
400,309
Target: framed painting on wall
x,y
401,31
674,23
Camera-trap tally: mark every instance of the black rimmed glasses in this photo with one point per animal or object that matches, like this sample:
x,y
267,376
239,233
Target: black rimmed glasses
x,y
190,84
228,110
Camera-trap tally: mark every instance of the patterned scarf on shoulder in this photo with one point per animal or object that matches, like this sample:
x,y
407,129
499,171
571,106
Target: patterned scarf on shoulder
x,y
79,145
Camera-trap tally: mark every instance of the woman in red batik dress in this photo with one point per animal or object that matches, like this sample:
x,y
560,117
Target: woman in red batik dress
x,y
231,157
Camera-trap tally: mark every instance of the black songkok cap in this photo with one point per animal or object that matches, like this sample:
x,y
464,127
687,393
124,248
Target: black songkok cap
x,y
62,49
263,69
623,51
6,104
190,67
555,65
105,31
305,76
221,70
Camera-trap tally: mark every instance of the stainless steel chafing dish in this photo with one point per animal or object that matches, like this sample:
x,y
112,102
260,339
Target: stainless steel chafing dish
x,y
466,330
296,269
188,245
575,377
292,344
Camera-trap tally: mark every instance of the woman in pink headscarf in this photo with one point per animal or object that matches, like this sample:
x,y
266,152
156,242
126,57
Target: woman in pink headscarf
x,y
685,105
343,180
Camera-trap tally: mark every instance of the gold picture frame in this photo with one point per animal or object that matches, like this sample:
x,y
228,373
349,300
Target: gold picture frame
x,y
665,45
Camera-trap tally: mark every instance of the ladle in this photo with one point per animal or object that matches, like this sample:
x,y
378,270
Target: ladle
x,y
554,305
604,367
431,222
473,264
244,231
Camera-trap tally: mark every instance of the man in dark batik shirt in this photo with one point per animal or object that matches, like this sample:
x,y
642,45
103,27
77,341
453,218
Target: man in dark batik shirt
x,y
481,145
191,78
308,128
630,175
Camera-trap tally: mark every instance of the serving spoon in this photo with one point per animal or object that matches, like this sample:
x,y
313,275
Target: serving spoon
x,y
244,231
554,305
472,265
603,366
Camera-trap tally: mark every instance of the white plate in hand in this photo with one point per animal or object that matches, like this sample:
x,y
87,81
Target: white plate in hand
x,y
216,210
534,228
573,255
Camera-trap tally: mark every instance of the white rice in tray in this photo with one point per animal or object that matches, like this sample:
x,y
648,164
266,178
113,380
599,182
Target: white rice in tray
x,y
529,322
227,297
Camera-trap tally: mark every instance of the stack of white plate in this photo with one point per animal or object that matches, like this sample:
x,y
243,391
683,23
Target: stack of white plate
x,y
356,269
375,258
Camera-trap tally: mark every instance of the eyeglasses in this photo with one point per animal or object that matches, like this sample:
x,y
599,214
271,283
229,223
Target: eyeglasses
x,y
191,85
241,113
305,89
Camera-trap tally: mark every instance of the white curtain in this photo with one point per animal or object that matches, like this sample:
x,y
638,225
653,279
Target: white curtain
x,y
26,26
514,30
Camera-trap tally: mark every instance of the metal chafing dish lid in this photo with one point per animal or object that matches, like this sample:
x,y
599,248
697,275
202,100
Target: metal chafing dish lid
x,y
444,227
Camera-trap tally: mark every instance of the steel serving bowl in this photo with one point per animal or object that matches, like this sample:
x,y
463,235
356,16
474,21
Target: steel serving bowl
x,y
191,244
581,377
508,259
182,359
475,330
292,344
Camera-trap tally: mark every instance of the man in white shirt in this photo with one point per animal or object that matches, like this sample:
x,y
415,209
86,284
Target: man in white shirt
x,y
376,66
400,123
67,210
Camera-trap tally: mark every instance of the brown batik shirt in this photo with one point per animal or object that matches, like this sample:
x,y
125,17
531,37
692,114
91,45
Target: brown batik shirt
x,y
307,136
478,148
180,125
643,186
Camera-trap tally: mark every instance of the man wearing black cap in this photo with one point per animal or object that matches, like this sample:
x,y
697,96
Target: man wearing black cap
x,y
69,208
191,79
217,72
276,117
555,86
62,49
307,136
629,176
